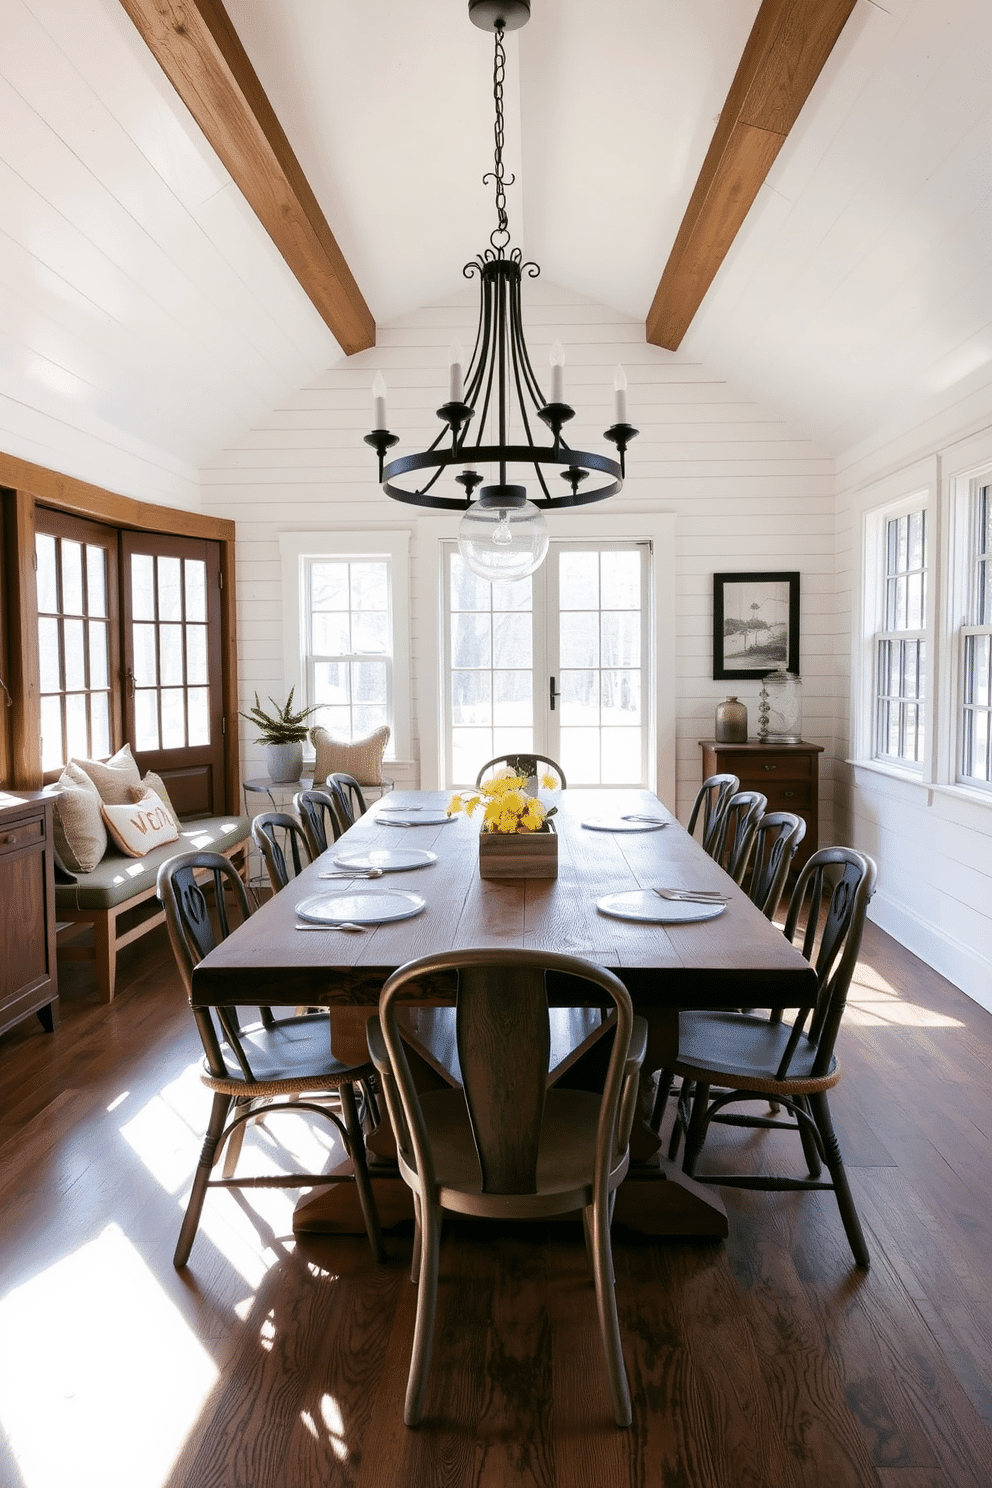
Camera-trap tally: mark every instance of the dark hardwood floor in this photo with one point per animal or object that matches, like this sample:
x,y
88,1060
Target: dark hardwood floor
x,y
765,1360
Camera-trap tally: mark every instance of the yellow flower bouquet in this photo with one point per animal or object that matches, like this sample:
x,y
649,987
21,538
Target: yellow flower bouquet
x,y
506,806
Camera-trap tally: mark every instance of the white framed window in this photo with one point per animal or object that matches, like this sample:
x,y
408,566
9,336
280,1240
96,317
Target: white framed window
x,y
901,643
346,630
975,639
896,723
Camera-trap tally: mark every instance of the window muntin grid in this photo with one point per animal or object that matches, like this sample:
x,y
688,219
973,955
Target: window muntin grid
x,y
901,645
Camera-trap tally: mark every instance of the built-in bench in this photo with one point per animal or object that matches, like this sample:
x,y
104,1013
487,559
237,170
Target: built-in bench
x,y
118,900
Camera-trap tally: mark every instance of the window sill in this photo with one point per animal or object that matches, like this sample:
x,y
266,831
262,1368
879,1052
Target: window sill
x,y
970,794
911,777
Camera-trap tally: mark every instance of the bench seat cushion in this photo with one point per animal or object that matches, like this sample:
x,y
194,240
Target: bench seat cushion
x,y
117,878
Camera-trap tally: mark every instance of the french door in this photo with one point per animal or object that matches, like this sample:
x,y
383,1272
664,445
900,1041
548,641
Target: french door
x,y
171,660
129,642
558,663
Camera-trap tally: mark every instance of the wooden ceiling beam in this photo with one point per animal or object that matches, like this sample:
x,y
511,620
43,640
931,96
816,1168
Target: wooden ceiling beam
x,y
198,49
785,54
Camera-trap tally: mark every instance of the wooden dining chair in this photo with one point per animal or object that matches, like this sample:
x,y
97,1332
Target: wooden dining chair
x,y
728,1058
275,833
530,766
735,835
255,1070
318,810
776,840
508,1146
348,794
709,806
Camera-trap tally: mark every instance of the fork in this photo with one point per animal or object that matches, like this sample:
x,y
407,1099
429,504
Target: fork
x,y
358,873
693,896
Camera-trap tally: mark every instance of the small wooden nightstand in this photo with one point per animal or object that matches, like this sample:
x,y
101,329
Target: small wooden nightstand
x,y
786,773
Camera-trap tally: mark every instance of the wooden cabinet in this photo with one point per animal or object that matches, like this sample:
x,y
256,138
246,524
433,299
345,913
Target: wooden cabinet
x,y
786,773
28,972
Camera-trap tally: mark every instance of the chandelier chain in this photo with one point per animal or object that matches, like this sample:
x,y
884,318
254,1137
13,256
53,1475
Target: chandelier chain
x,y
500,235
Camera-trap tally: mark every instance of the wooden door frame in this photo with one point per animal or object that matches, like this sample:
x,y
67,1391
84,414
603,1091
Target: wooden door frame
x,y
26,486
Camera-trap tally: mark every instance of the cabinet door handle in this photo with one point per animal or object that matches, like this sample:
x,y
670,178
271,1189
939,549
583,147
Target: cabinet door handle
x,y
769,767
8,840
788,795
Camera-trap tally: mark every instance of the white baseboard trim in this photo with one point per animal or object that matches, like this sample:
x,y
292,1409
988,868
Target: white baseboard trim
x,y
959,963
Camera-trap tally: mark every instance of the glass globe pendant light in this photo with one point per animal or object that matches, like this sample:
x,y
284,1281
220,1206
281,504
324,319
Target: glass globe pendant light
x,y
503,538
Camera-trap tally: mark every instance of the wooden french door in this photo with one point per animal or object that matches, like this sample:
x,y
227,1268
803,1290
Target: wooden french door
x,y
171,664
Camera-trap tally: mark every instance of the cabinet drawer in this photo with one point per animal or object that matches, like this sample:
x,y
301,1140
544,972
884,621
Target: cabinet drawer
x,y
788,795
14,835
755,770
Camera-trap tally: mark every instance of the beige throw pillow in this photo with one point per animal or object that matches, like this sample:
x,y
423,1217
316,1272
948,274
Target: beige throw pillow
x,y
139,827
113,778
153,782
362,758
77,826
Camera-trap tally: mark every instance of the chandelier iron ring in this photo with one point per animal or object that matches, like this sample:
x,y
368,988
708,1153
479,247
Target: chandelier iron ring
x,y
574,465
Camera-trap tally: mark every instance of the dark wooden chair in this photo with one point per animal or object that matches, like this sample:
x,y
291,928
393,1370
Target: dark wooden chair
x,y
255,1069
776,840
528,765
510,1148
735,836
709,805
318,810
275,833
348,794
786,1062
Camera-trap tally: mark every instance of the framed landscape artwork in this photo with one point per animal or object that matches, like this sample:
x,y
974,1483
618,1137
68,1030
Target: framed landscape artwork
x,y
755,624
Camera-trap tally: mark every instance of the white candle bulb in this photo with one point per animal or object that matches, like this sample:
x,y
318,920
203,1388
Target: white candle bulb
x,y
456,360
378,401
620,394
557,373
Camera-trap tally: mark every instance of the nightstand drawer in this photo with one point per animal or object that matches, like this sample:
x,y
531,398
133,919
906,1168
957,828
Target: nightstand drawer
x,y
787,795
19,834
755,769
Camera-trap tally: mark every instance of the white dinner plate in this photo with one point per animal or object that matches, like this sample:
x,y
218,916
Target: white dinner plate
x,y
398,817
386,859
645,905
621,824
360,907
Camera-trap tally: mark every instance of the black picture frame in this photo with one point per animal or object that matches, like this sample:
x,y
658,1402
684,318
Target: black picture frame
x,y
775,638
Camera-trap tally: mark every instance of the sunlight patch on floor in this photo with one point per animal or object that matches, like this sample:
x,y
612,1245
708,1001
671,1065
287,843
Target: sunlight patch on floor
x,y
100,1378
872,1002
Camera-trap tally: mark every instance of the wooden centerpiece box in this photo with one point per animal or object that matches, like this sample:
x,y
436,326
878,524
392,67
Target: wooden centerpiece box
x,y
519,854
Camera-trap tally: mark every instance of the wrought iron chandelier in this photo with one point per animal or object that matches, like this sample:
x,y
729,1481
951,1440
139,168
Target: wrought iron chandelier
x,y
489,418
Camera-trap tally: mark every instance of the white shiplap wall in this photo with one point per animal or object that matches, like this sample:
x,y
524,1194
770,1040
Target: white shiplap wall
x,y
933,846
749,492
145,316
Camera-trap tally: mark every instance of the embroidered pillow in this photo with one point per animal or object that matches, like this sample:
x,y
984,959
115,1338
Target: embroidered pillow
x,y
113,778
80,837
139,827
155,784
362,758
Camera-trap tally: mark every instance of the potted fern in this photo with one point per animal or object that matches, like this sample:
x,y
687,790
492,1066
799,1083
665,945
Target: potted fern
x,y
283,733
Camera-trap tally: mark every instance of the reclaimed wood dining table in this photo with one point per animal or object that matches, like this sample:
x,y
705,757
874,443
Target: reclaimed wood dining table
x,y
737,959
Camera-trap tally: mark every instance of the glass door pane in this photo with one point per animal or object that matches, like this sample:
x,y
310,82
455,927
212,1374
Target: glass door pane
x,y
77,643
597,654
172,664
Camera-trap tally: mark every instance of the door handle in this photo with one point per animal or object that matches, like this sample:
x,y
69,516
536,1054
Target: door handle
x,y
129,683
552,694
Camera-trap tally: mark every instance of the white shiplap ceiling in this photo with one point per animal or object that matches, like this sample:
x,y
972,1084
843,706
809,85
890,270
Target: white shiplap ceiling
x,y
137,289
